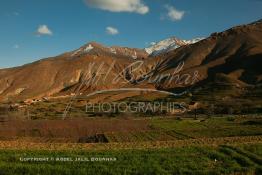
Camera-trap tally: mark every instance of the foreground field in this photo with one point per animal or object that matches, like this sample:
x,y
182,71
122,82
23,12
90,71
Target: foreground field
x,y
222,159
132,129
161,145
27,144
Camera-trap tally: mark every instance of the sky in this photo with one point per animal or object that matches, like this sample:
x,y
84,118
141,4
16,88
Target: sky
x,y
35,29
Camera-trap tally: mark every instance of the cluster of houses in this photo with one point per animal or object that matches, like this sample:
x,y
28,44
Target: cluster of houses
x,y
25,103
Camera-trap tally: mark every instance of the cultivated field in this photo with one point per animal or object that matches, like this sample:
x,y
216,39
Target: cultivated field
x,y
223,159
166,145
93,130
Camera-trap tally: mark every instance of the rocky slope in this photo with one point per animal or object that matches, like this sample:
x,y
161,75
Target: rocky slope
x,y
232,56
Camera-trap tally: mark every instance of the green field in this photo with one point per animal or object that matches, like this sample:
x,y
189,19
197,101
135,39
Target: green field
x,y
245,159
217,145
164,129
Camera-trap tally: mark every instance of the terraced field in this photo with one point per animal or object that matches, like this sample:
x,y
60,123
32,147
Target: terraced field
x,y
217,145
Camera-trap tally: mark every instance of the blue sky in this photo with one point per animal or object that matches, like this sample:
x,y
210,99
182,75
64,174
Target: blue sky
x,y
35,29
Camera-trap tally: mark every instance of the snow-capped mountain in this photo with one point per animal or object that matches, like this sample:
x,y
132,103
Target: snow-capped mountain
x,y
97,49
64,74
168,45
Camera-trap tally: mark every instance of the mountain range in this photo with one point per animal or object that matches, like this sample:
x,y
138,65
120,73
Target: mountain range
x,y
231,57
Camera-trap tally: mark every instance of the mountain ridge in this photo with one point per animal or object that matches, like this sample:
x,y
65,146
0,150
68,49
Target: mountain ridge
x,y
232,55
168,44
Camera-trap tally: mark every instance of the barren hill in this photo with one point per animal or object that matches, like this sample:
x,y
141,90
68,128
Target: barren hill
x,y
232,56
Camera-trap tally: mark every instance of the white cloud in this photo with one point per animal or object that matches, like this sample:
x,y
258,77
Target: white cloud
x,y
135,6
174,14
43,30
112,31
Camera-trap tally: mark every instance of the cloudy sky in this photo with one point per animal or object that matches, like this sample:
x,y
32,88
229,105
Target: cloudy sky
x,y
34,29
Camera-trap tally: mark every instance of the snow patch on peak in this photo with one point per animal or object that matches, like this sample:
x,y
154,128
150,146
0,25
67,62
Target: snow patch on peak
x,y
83,50
162,45
88,48
192,41
168,45
76,52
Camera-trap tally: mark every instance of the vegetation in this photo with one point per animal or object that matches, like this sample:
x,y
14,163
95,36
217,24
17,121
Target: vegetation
x,y
216,144
224,126
164,129
221,159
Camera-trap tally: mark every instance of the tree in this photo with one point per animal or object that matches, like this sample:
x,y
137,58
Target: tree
x,y
211,110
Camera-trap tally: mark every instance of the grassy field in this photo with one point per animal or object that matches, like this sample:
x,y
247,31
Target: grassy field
x,y
164,129
133,129
217,145
224,126
223,159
